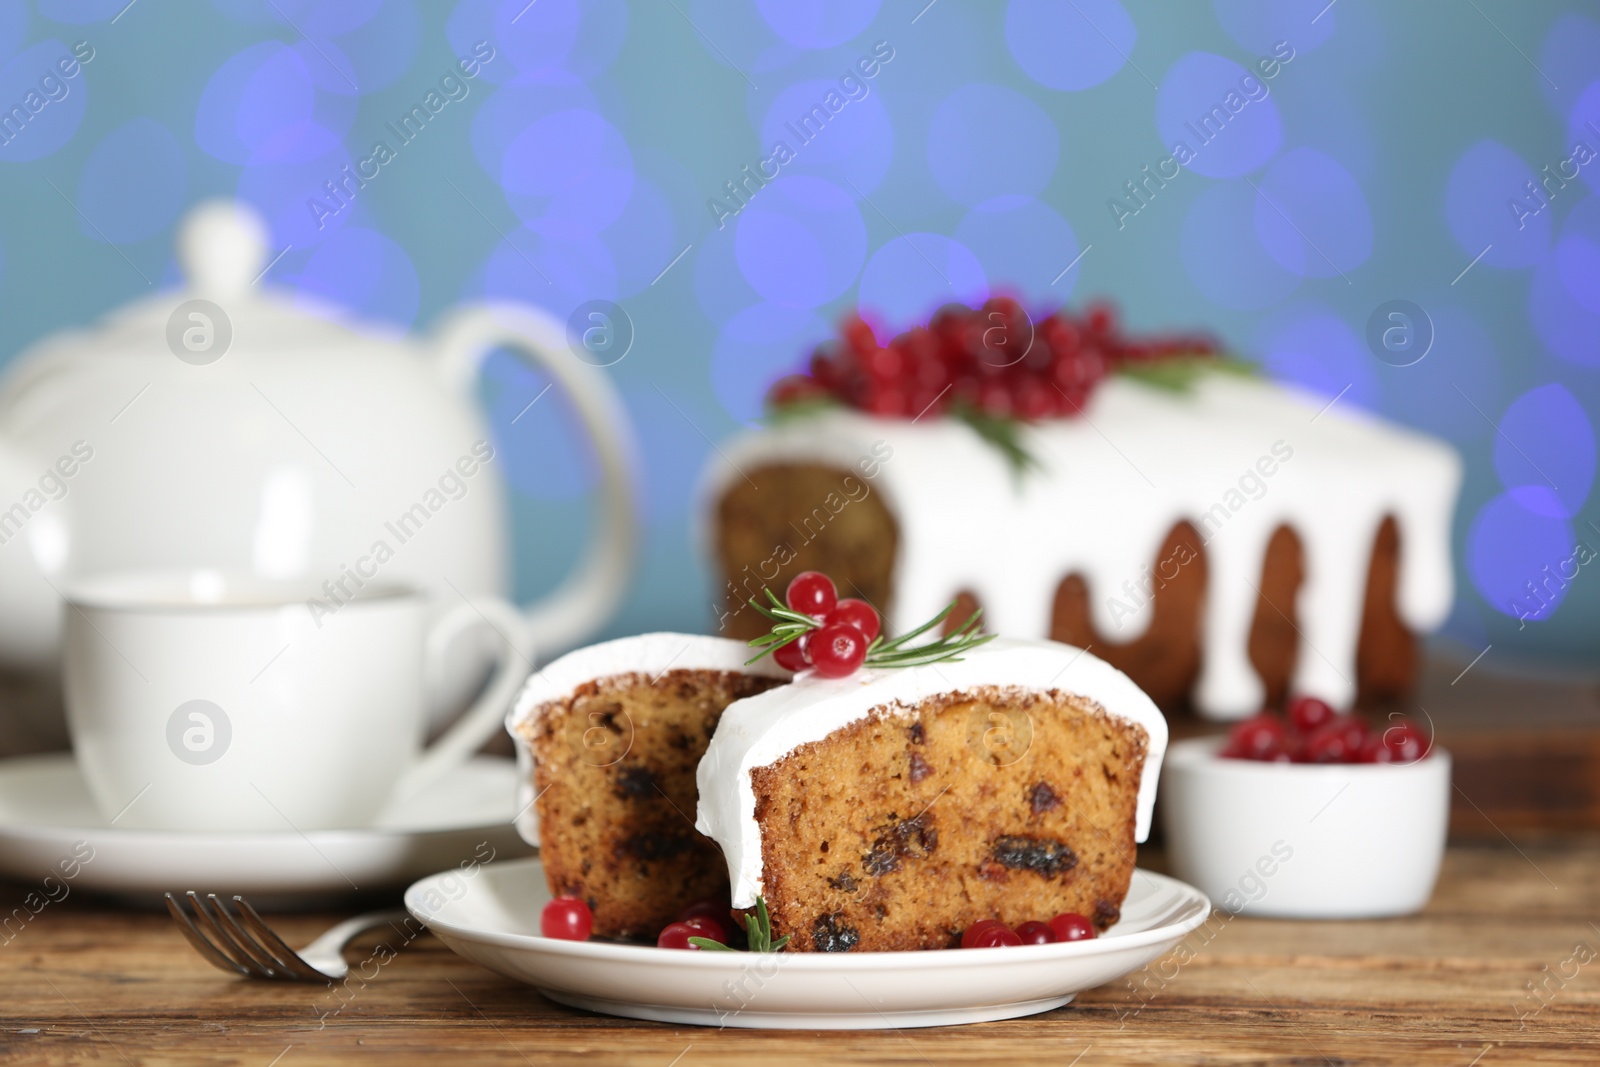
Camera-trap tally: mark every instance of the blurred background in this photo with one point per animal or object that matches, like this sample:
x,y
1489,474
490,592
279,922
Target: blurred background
x,y
1443,153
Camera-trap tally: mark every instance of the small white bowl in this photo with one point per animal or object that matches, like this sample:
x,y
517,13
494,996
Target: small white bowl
x,y
1305,841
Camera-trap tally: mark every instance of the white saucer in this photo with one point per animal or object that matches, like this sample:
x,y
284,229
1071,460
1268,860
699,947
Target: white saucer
x,y
492,918
47,818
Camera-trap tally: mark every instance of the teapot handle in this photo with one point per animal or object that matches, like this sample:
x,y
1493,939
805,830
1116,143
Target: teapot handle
x,y
588,597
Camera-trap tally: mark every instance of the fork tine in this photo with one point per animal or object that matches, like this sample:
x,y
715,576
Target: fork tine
x,y
241,937
288,957
206,949
257,964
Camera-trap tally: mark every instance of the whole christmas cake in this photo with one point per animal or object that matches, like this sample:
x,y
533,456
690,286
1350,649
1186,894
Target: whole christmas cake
x,y
1225,540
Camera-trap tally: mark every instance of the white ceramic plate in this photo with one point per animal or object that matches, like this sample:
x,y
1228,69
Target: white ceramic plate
x,y
492,918
47,822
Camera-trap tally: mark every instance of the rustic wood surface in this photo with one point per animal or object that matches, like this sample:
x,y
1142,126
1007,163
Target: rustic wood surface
x,y
87,982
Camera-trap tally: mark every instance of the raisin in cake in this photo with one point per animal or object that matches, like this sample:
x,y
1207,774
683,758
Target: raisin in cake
x,y
892,809
609,737
1225,540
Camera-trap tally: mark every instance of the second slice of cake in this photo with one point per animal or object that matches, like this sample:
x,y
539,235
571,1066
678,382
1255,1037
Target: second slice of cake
x,y
609,737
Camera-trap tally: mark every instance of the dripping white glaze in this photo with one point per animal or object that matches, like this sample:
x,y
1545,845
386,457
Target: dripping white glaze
x,y
762,729
651,655
1115,482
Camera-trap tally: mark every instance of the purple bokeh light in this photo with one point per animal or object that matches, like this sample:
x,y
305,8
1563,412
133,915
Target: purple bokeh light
x,y
910,277
572,166
1450,391
365,273
853,145
1222,255
282,192
34,75
1310,215
800,241
553,266
1310,345
1071,47
1565,324
1204,102
1024,246
262,106
642,240
986,141
1515,557
1545,442
1260,24
1570,59
1484,181
818,23
755,348
134,183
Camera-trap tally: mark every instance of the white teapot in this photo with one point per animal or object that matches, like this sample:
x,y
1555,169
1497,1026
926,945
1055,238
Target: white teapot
x,y
226,426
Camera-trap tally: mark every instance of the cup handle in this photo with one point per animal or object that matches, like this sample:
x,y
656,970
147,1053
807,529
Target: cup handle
x,y
514,661
588,597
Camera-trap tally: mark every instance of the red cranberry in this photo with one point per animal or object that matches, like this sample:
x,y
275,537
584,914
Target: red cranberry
x,y
970,935
1036,933
1070,926
857,613
792,657
677,935
1308,713
1338,740
997,936
811,593
566,919
837,650
1404,742
1260,738
706,926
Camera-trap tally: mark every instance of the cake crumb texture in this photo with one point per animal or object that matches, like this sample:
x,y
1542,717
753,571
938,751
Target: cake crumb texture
x,y
614,771
906,827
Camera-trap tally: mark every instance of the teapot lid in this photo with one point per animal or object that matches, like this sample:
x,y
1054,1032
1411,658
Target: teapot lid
x,y
223,247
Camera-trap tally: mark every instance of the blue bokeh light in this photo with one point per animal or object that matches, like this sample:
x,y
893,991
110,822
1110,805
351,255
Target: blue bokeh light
x,y
1545,441
643,239
986,141
283,192
1070,47
365,273
1310,345
853,145
1205,103
1310,215
326,18
76,12
1026,245
507,111
529,38
553,266
1451,390
1260,25
1566,325
571,165
910,277
1222,255
1515,555
1577,254
51,103
1570,58
134,183
755,348
818,23
1583,127
800,241
262,106
1476,202
720,287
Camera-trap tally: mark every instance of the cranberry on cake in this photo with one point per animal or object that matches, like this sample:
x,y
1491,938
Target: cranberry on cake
x,y
608,738
1226,540
895,807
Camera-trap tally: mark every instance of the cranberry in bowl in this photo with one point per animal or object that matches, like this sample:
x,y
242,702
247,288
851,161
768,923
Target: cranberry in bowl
x,y
1311,815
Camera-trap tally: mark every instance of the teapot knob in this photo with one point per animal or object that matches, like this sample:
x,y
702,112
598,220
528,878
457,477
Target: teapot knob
x,y
222,245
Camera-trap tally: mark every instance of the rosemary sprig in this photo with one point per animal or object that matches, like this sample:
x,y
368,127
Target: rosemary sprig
x,y
790,625
1003,433
1177,374
757,930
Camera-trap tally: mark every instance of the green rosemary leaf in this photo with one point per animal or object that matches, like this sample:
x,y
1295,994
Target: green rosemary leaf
x,y
779,414
710,945
1004,433
1178,374
918,632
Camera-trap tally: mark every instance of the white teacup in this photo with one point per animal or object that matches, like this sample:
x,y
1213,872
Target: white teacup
x,y
211,701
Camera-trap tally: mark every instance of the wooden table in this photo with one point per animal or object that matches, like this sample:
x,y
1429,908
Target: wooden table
x,y
84,982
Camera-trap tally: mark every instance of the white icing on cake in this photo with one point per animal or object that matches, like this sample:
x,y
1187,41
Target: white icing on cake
x,y
652,655
1116,481
762,729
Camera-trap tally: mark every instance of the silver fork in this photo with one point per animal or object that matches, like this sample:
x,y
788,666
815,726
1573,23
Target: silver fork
x,y
247,946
